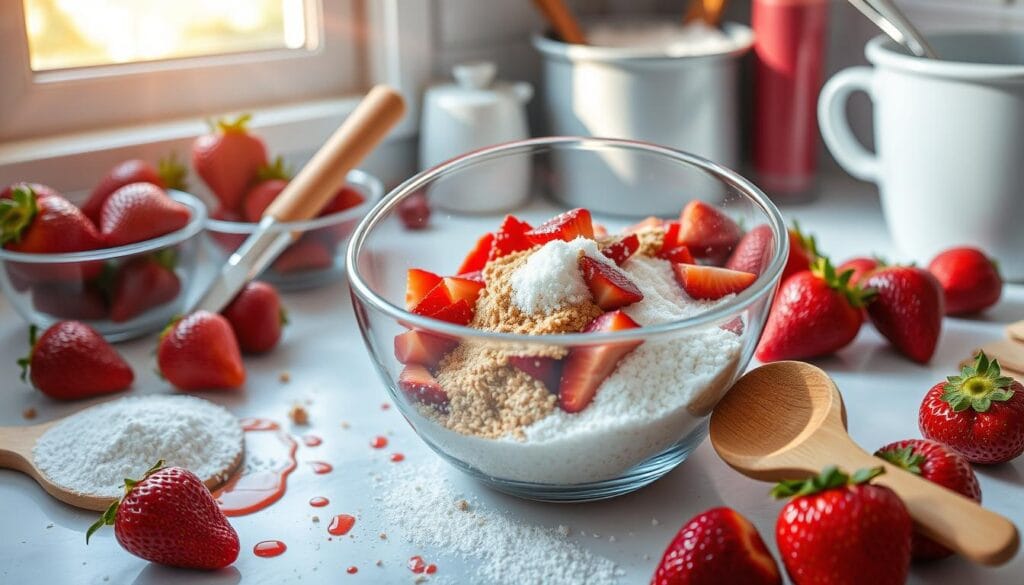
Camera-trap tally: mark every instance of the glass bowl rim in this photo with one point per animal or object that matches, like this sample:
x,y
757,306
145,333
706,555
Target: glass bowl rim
x,y
191,229
371,184
764,285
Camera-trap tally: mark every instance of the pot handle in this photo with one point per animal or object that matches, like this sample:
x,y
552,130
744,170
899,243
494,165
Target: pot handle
x,y
835,127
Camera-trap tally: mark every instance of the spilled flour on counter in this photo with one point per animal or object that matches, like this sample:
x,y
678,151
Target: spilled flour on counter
x,y
429,510
94,450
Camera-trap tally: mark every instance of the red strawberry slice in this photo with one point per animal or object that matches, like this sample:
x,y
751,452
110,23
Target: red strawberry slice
x,y
346,198
436,300
572,224
546,370
623,249
646,224
678,255
753,252
671,239
707,231
418,283
709,283
463,289
477,257
587,367
609,286
460,313
423,348
510,237
419,384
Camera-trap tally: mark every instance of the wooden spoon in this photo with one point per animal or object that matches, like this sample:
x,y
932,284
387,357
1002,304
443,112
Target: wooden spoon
x,y
562,21
786,420
16,444
709,11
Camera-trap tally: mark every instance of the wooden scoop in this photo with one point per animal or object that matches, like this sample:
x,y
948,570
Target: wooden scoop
x,y
16,444
786,421
562,21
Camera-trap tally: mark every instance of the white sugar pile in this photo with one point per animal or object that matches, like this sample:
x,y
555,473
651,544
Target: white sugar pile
x,y
430,511
551,278
93,451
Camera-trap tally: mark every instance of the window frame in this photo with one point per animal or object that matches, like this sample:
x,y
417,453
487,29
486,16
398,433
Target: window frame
x,y
396,50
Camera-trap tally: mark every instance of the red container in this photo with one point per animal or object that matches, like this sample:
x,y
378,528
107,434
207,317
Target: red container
x,y
790,55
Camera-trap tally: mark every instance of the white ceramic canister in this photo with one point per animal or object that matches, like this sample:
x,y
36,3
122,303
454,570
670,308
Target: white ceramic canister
x,y
674,96
474,112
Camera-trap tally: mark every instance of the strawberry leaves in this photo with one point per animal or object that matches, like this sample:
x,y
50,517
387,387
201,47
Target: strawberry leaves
x,y
830,478
107,519
977,386
905,458
17,213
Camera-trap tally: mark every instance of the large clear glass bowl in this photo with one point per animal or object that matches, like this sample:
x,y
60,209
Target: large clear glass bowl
x,y
638,428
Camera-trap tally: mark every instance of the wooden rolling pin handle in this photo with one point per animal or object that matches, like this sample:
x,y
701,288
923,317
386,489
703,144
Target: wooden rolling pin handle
x,y
324,174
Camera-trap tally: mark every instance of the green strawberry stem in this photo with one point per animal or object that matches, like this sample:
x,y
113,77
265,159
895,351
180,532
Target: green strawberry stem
x,y
283,315
274,170
26,362
17,213
977,386
854,294
224,126
830,478
172,172
167,258
107,519
806,240
905,458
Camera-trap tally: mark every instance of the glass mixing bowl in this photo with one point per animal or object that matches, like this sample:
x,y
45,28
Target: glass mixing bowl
x,y
647,416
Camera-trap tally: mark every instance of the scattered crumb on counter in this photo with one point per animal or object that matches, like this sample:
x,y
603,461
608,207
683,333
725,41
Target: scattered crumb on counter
x,y
383,536
379,563
462,505
345,425
316,519
299,414
285,377
29,413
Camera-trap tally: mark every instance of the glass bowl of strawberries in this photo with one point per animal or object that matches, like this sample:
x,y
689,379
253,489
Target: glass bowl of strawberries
x,y
557,354
317,256
124,262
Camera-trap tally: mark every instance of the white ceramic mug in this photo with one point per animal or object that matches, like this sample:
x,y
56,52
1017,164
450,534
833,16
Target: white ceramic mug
x,y
949,137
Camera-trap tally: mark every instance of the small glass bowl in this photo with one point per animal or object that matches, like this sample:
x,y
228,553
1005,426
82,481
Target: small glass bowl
x,y
649,418
123,292
318,256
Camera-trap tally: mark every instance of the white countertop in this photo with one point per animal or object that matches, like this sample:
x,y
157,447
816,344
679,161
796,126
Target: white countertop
x,y
42,541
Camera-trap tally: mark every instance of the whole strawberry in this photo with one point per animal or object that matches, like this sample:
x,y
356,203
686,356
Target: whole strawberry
x,y
907,309
169,517
138,212
979,414
70,360
969,280
142,283
270,181
841,530
200,352
815,313
168,175
861,267
256,315
938,464
39,189
717,547
228,160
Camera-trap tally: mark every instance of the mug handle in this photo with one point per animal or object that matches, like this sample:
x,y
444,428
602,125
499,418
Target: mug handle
x,y
835,127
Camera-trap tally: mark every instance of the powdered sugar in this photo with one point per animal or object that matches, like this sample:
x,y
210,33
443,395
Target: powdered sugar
x,y
551,278
424,505
94,450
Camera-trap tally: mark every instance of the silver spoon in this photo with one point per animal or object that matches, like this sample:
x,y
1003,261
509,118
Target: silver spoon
x,y
894,23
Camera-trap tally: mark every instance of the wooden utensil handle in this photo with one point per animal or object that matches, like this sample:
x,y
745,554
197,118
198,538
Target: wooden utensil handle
x,y
317,182
562,21
946,517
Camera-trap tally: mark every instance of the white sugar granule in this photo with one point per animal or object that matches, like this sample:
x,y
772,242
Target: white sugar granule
x,y
421,502
551,277
93,451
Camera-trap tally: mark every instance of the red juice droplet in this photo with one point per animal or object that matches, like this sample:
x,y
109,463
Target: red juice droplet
x,y
416,564
397,457
312,440
321,467
379,442
258,424
318,502
269,548
259,485
352,570
385,406
341,524
431,569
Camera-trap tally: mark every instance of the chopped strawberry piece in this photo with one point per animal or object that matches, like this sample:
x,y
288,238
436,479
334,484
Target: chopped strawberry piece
x,y
707,231
437,299
511,237
477,276
709,283
420,347
678,255
568,226
463,288
419,384
587,367
671,239
609,286
477,257
599,230
621,250
753,252
418,283
460,313
543,369
648,223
